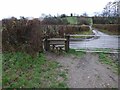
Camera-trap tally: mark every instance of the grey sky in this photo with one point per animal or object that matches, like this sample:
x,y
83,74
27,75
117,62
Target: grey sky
x,y
34,8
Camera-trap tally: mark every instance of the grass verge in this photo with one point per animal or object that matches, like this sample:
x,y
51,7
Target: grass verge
x,y
20,70
104,49
103,58
76,53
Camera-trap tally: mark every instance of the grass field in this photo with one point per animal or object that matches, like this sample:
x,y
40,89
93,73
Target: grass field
x,y
22,71
72,20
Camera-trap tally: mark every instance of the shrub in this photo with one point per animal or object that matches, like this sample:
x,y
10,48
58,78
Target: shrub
x,y
85,28
21,35
83,20
106,20
110,28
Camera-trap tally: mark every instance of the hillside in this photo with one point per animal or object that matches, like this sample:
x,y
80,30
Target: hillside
x,y
78,20
72,20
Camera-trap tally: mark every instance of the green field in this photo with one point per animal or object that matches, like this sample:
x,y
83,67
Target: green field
x,y
72,20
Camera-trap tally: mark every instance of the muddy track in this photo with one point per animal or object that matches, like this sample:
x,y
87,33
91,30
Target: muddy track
x,y
86,72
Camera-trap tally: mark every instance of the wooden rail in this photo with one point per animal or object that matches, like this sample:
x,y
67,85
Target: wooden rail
x,y
93,35
57,43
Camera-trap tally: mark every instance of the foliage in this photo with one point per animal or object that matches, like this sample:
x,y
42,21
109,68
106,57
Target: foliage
x,y
111,9
108,28
27,35
63,15
84,20
21,35
20,70
77,29
54,21
85,28
106,20
66,20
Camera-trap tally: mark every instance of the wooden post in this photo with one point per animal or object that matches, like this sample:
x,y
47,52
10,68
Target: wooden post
x,y
67,43
46,45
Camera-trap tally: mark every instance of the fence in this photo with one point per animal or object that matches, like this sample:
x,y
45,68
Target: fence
x,y
57,43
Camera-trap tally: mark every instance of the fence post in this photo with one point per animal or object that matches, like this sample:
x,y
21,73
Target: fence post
x,y
67,43
46,45
85,43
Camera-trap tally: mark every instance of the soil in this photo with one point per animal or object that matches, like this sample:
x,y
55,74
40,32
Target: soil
x,y
86,71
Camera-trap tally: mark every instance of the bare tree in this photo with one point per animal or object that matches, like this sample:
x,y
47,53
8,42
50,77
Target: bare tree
x,y
112,9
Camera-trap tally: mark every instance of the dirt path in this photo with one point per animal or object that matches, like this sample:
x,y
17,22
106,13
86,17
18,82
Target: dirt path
x,y
86,72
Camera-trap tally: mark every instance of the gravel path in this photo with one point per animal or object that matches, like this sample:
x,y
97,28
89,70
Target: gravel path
x,y
86,72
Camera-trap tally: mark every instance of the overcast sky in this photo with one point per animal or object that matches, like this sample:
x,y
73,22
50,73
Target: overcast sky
x,y
34,8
